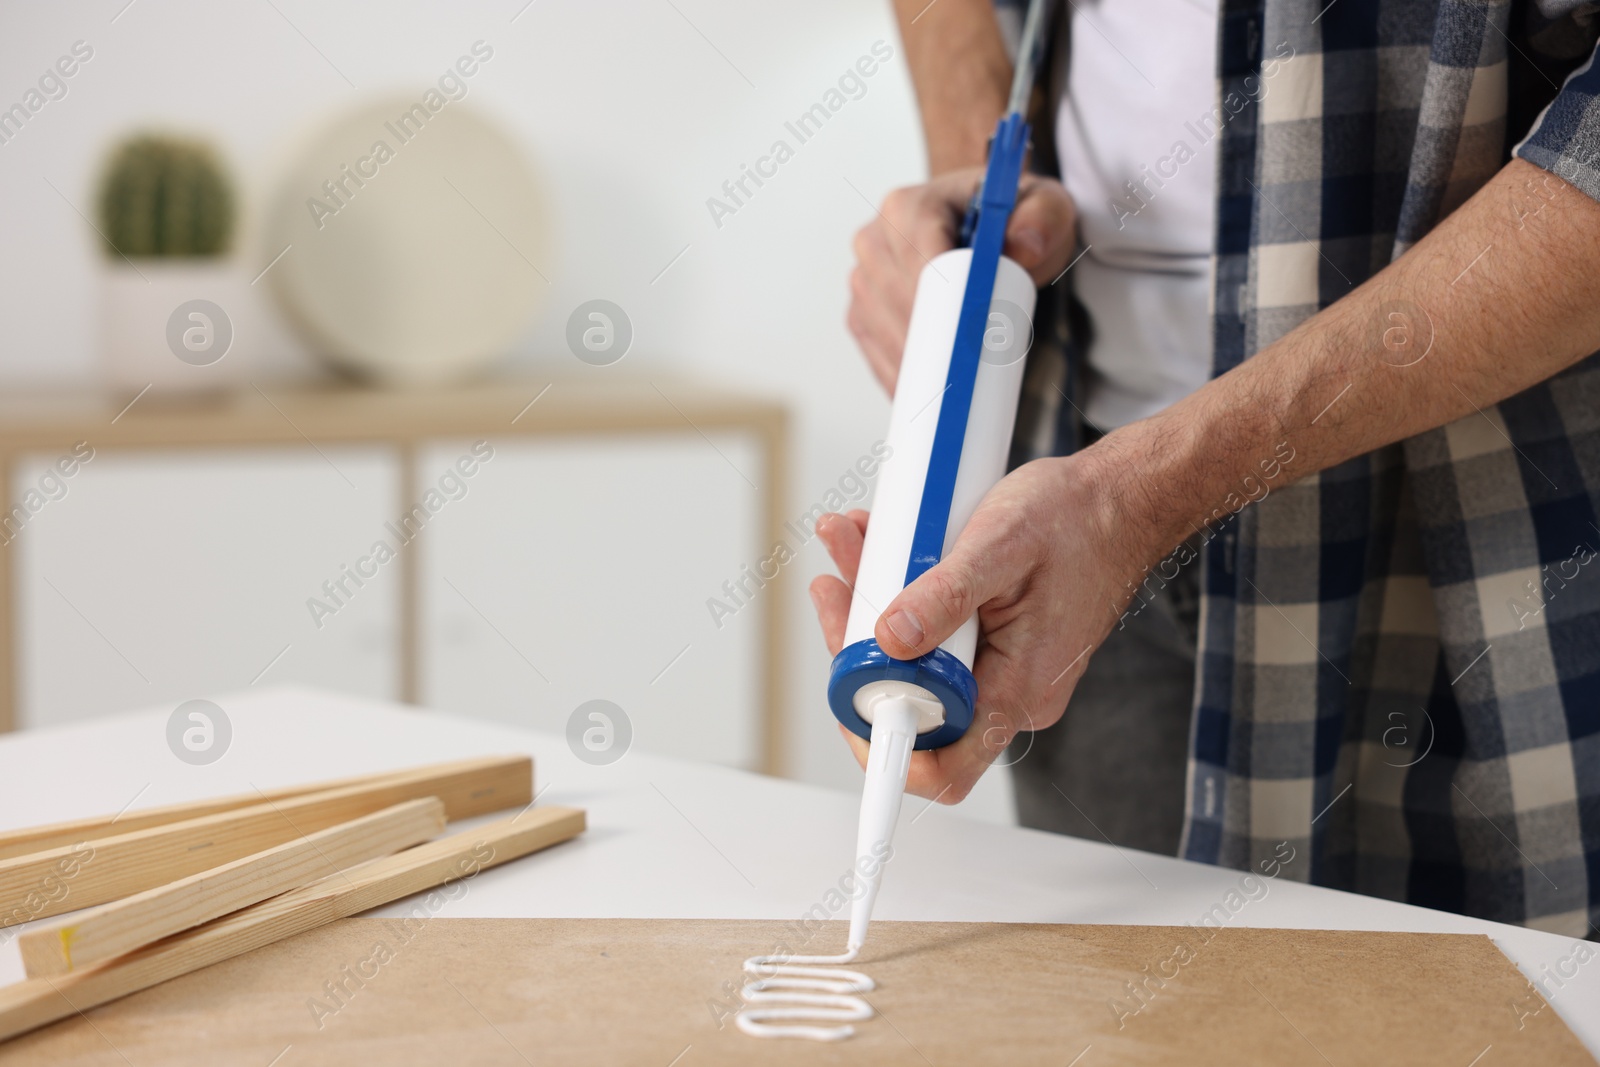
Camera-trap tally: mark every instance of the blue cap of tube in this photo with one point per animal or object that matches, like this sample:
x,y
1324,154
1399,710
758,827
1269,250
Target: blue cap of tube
x,y
939,672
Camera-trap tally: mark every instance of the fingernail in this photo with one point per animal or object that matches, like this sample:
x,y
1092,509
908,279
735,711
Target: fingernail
x,y
906,626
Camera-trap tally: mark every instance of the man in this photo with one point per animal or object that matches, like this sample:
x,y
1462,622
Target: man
x,y
1335,588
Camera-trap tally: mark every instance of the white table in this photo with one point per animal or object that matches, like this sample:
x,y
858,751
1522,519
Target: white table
x,y
671,839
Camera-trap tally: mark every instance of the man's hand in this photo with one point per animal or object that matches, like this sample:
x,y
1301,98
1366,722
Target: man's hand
x,y
1046,563
921,221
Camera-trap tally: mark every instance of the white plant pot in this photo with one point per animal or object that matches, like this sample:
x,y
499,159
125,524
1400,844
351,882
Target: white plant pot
x,y
178,325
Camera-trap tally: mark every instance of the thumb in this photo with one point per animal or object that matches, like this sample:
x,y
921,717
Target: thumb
x,y
1041,233
934,606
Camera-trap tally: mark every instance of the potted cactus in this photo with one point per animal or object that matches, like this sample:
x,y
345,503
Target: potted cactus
x,y
166,222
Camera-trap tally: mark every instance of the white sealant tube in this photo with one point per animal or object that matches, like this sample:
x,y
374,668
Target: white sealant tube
x,y
915,415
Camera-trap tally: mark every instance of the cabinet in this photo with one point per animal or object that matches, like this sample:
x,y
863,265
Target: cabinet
x,y
539,556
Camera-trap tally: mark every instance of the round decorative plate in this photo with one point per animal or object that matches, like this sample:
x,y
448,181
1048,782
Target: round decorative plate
x,y
418,242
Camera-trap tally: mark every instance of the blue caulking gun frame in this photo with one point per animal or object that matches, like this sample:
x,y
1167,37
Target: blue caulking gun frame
x,y
940,672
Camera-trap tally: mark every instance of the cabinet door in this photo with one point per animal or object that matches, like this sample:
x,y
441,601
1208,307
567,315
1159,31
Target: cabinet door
x,y
164,576
575,569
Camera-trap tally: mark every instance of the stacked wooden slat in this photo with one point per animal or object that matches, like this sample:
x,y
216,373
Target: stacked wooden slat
x,y
170,890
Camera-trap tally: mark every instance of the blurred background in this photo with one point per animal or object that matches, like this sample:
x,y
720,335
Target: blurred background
x,y
570,346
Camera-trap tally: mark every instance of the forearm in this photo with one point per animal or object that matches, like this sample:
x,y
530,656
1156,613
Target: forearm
x,y
1503,294
961,75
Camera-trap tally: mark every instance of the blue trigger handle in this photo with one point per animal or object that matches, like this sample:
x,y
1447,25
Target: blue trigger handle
x,y
969,221
1017,147
940,672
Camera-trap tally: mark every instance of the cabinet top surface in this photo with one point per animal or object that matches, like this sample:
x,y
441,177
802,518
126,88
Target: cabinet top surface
x,y
276,412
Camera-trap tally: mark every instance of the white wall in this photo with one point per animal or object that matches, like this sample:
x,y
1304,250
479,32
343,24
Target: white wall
x,y
635,112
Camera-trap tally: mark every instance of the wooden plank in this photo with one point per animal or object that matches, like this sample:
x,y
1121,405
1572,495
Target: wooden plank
x,y
124,925
57,835
37,1001
48,883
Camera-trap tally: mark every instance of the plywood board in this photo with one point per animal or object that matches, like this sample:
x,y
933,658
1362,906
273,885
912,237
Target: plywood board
x,y
577,991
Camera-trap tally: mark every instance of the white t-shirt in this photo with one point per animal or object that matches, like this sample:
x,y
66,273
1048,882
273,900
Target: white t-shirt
x,y
1138,109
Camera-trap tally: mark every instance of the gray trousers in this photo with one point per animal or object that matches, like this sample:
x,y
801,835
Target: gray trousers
x,y
1113,768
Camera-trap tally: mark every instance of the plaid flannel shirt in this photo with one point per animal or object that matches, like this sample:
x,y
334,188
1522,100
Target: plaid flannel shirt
x,y
1399,658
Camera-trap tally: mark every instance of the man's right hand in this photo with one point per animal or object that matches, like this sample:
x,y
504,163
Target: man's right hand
x,y
921,221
